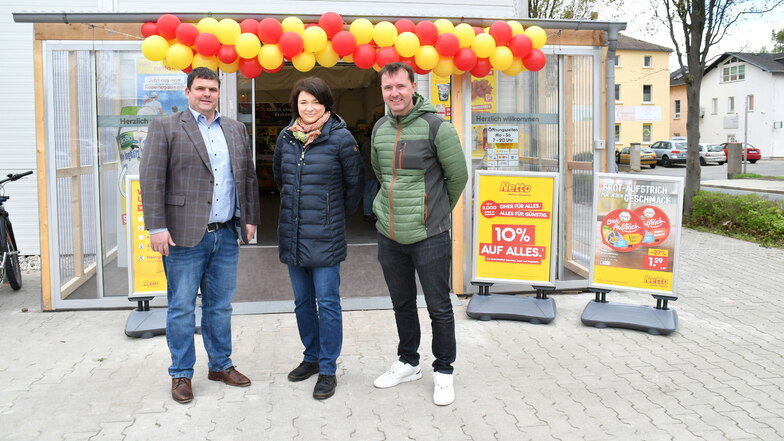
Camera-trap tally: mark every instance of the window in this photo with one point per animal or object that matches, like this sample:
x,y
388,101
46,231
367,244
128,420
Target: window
x,y
646,133
751,103
617,133
646,93
677,109
648,61
617,60
731,104
715,106
733,70
617,92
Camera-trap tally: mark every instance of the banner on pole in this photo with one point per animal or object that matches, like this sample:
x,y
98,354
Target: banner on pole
x,y
636,233
514,227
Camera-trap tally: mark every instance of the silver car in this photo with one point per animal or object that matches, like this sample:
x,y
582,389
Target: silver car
x,y
670,152
712,154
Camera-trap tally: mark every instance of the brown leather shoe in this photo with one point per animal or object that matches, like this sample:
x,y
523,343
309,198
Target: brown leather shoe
x,y
230,376
181,390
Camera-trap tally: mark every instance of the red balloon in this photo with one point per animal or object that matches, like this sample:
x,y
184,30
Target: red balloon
x,y
291,44
421,71
501,32
409,60
447,45
207,44
167,26
364,56
277,69
465,59
405,25
149,28
249,25
521,45
188,69
427,33
535,60
269,31
344,43
481,68
331,22
227,54
478,30
386,55
187,33
250,67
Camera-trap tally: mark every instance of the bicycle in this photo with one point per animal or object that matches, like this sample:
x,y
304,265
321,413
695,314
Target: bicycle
x,y
9,264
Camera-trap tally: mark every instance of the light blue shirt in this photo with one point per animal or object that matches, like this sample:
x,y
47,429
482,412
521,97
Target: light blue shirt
x,y
224,195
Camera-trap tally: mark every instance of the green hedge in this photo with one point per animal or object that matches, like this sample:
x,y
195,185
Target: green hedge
x,y
748,217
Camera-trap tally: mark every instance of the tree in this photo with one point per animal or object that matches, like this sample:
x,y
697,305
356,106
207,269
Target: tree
x,y
568,9
778,40
695,27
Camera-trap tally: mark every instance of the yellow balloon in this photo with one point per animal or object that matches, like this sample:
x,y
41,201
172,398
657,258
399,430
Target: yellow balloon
x,y
293,24
426,57
384,34
247,45
515,68
154,48
362,29
444,26
376,67
200,60
502,58
208,24
327,57
538,36
348,58
304,62
465,34
270,56
445,67
179,56
483,45
314,38
517,28
407,44
227,31
231,67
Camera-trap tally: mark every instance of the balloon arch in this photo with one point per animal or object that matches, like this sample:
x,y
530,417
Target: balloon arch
x,y
253,46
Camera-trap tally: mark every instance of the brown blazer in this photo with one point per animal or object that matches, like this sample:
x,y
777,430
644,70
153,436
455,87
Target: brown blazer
x,y
177,182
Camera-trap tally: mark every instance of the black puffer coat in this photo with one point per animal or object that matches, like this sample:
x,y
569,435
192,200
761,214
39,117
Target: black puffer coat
x,y
320,187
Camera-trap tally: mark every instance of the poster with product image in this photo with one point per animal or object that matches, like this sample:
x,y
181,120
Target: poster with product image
x,y
636,232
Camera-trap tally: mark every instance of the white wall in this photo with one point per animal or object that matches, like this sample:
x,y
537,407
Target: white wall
x,y
766,88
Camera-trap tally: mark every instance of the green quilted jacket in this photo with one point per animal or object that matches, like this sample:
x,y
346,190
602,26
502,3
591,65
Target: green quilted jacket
x,y
421,180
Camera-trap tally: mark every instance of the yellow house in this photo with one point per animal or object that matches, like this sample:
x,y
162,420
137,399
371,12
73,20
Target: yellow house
x,y
678,104
642,92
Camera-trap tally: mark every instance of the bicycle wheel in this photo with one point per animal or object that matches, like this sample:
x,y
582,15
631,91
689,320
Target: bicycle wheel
x,y
13,271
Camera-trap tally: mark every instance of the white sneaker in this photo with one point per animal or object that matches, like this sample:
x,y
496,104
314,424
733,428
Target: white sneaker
x,y
443,390
399,373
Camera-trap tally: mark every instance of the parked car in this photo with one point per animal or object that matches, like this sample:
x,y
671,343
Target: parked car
x,y
647,156
712,154
753,154
670,152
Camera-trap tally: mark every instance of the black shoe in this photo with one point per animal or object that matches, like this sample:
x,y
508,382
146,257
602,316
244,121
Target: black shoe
x,y
325,387
304,371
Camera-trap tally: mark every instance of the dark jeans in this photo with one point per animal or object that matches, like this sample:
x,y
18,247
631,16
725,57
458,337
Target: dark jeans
x,y
431,259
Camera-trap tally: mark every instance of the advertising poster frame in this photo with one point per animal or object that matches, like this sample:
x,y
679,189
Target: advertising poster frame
x,y
539,197
146,276
635,240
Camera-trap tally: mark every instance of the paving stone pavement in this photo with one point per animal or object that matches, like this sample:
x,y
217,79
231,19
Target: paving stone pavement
x,y
720,376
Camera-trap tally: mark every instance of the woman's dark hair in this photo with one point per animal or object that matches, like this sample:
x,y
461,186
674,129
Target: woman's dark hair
x,y
314,86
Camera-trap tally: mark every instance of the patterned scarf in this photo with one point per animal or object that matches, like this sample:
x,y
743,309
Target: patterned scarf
x,y
307,133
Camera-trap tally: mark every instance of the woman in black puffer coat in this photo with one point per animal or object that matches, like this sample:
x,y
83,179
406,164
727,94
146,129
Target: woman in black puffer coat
x,y
318,170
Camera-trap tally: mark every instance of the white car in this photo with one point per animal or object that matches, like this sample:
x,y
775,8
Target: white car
x,y
712,154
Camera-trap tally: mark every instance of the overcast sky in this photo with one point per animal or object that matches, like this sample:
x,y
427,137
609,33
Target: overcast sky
x,y
749,35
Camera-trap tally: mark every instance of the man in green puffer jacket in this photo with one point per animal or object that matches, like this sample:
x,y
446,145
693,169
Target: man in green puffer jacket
x,y
422,172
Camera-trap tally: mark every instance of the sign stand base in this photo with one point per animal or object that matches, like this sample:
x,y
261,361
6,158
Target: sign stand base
x,y
146,323
600,313
536,310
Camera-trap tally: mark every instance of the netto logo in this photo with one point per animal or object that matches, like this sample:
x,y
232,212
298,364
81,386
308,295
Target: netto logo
x,y
655,280
515,187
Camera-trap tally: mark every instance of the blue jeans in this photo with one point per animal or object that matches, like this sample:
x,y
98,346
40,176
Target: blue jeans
x,y
319,315
212,266
371,189
431,259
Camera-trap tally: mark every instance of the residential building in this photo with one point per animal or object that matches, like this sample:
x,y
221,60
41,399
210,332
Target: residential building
x,y
642,112
678,103
739,87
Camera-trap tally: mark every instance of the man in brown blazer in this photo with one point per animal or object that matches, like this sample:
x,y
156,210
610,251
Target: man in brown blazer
x,y
200,197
